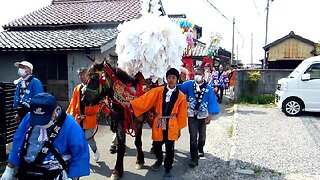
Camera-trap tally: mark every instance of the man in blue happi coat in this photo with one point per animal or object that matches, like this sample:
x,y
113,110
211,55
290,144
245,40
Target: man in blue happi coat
x,y
27,86
202,105
49,144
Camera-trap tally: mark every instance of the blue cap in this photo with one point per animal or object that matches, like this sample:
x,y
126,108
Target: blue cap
x,y
42,106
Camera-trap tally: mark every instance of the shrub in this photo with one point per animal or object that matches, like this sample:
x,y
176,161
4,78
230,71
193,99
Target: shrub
x,y
257,99
253,80
254,77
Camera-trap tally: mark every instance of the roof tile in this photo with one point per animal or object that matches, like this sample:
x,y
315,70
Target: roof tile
x,y
82,12
64,38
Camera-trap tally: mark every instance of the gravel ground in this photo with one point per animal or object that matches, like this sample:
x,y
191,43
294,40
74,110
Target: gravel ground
x,y
215,164
260,142
274,146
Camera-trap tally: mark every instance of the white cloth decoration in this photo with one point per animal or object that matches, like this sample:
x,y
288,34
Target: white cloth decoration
x,y
150,44
150,6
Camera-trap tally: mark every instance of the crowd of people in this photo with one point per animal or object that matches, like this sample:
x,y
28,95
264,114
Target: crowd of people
x,y
53,143
219,79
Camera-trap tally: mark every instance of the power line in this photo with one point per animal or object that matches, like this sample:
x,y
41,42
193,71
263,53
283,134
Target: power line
x,y
213,6
218,10
255,5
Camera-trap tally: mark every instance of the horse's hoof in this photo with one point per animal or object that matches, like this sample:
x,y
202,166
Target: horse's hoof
x,y
116,174
139,166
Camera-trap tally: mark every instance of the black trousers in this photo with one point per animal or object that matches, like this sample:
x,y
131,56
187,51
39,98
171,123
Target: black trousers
x,y
196,126
157,145
220,89
22,111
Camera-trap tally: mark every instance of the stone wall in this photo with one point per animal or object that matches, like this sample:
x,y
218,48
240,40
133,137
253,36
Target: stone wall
x,y
266,85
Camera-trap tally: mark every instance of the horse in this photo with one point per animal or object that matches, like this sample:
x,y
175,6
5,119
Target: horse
x,y
116,84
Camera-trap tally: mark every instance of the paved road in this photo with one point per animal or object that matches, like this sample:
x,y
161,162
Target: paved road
x,y
103,168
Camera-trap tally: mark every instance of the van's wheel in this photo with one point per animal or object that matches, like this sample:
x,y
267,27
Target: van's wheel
x,y
292,106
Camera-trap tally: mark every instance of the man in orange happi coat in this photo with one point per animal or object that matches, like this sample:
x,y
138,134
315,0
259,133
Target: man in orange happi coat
x,y
171,110
86,116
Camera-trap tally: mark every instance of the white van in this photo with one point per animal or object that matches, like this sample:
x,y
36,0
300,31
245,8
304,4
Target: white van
x,y
301,89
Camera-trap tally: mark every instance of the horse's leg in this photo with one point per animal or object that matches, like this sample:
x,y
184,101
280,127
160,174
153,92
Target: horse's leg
x,y
118,169
138,144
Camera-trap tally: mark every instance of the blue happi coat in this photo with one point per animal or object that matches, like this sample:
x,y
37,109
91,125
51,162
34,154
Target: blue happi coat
x,y
219,79
70,142
35,87
208,104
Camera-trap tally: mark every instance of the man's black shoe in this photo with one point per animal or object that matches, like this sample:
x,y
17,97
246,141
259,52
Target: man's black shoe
x,y
113,149
156,165
193,164
201,154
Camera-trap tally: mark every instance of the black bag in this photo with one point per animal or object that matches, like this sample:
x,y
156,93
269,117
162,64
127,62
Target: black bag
x,y
28,171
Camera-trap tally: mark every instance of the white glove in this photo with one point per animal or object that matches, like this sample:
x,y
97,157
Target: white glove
x,y
8,174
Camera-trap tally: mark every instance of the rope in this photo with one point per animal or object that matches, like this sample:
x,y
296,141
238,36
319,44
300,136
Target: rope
x,y
95,132
98,120
129,126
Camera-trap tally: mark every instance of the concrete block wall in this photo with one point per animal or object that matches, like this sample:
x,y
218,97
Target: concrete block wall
x,y
266,85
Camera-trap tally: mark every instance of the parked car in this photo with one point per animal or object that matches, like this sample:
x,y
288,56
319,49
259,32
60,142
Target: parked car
x,y
300,91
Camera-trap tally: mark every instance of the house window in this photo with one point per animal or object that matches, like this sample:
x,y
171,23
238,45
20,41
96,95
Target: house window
x,y
49,66
57,69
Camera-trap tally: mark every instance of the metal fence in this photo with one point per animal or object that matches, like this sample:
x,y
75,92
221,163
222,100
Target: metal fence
x,y
8,125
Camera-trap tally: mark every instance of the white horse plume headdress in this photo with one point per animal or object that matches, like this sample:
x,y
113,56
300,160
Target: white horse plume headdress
x,y
151,44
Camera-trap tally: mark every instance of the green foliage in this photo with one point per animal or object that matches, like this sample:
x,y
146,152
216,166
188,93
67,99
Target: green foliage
x,y
257,170
257,99
254,77
230,131
252,81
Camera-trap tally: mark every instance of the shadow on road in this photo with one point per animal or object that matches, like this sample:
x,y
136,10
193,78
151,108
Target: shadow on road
x,y
102,169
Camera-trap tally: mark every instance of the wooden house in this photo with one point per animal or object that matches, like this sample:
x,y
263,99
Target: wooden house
x,y
288,51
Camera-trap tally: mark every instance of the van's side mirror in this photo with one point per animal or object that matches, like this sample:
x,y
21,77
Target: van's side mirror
x,y
305,77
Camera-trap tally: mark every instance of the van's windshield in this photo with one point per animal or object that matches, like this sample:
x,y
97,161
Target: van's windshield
x,y
298,70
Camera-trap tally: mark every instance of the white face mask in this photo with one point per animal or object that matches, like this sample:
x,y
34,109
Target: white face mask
x,y
22,72
198,78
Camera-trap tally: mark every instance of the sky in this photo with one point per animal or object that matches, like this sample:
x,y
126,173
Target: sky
x,y
299,16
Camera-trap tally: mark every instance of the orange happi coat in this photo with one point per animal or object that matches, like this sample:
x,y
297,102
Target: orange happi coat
x,y
232,80
90,112
154,98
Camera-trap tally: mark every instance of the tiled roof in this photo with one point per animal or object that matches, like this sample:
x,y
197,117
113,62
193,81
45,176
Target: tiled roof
x,y
74,1
63,39
70,12
199,48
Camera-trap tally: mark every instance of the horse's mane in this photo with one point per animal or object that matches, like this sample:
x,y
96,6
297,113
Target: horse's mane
x,y
120,74
124,77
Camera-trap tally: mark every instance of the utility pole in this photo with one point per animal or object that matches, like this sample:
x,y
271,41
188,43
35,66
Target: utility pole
x,y
232,53
237,55
251,49
266,39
